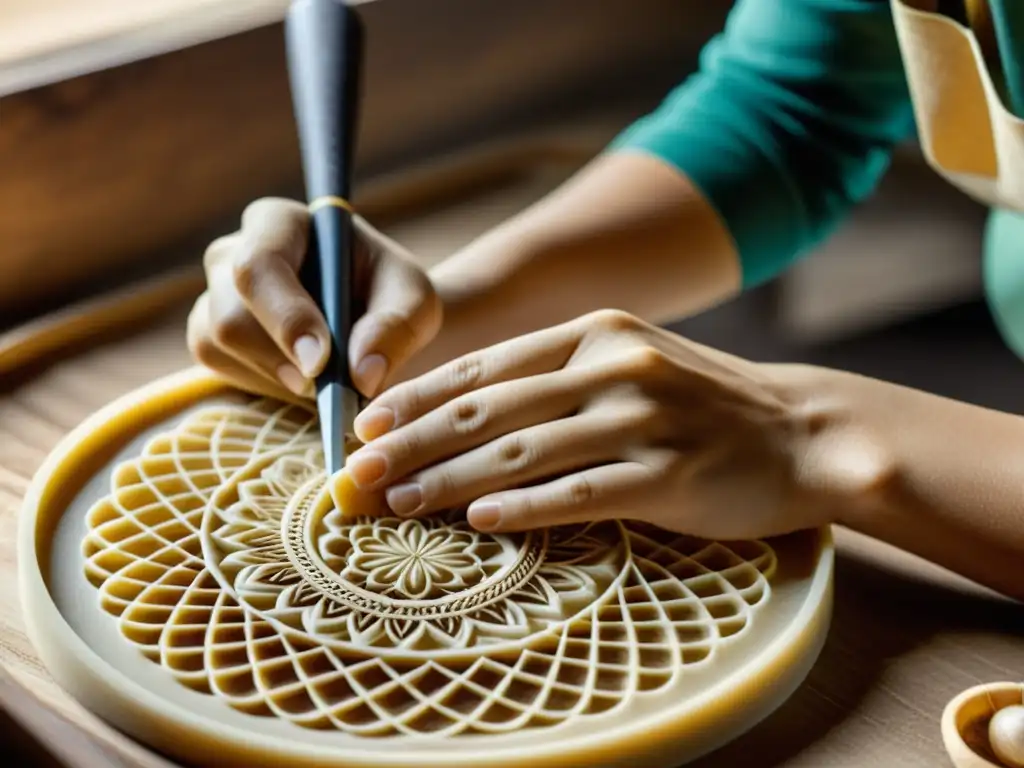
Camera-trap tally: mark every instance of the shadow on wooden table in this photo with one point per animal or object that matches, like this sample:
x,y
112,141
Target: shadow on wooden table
x,y
33,736
882,612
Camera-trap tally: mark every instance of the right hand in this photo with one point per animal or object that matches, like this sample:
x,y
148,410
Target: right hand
x,y
257,326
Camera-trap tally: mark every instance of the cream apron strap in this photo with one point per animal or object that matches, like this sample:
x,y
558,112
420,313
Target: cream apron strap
x,y
965,130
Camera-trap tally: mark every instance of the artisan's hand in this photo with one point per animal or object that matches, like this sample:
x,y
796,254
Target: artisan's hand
x,y
606,417
257,325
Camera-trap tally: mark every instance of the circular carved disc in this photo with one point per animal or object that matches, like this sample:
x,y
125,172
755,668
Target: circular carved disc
x,y
188,576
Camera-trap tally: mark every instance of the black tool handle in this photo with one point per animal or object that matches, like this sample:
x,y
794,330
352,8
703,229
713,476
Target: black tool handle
x,y
324,42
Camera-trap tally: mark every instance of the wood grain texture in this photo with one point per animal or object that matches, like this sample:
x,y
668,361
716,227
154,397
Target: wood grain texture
x,y
38,30
48,41
32,734
101,170
476,171
70,326
906,636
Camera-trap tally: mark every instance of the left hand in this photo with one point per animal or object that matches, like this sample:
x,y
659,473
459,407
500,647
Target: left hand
x,y
602,417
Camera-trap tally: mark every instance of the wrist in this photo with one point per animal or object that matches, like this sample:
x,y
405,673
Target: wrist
x,y
939,478
496,288
844,458
476,288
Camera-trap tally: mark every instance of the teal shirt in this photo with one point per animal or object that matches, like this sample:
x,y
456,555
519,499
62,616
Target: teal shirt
x,y
790,122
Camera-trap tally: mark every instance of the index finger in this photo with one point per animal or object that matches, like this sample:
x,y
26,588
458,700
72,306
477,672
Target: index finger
x,y
265,270
530,355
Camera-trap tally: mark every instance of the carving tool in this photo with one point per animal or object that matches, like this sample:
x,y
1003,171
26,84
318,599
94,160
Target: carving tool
x,y
324,41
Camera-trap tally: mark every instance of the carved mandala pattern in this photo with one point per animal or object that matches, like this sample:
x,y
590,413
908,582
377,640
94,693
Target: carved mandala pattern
x,y
408,558
224,559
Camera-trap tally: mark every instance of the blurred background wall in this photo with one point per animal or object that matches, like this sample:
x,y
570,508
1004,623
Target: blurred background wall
x,y
153,124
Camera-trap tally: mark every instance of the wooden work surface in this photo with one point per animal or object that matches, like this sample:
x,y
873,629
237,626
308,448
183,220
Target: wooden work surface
x,y
43,41
905,638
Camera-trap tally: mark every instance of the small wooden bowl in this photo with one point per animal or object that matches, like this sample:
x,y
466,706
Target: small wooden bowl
x,y
965,723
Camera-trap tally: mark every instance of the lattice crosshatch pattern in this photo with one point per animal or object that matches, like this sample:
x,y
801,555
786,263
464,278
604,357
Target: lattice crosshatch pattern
x,y
225,560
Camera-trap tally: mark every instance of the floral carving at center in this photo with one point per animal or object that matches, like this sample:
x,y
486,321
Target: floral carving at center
x,y
411,559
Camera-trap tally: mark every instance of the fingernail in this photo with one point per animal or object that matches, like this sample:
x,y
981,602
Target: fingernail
x,y
289,376
404,499
484,516
371,372
367,467
308,351
374,422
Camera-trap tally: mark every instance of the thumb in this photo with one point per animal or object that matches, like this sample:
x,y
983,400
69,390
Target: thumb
x,y
403,314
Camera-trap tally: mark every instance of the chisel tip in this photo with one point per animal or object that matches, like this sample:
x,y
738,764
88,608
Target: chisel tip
x,y
337,406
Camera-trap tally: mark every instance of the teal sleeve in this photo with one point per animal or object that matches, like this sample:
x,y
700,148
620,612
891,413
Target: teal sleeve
x,y
789,122
1003,274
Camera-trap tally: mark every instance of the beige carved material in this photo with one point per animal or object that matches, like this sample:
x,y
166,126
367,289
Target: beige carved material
x,y
366,594
195,578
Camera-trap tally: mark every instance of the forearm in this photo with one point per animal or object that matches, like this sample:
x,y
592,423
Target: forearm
x,y
945,479
627,232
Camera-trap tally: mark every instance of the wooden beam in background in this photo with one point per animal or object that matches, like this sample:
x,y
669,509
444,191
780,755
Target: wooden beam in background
x,y
103,170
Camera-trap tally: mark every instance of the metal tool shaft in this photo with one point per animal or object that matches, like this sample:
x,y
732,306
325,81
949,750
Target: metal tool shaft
x,y
324,40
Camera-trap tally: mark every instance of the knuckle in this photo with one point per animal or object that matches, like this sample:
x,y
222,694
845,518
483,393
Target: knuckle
x,y
248,269
203,349
295,319
614,320
401,330
403,400
648,413
465,373
467,415
197,317
263,207
232,328
664,467
216,251
257,207
515,454
579,491
646,418
644,362
405,444
429,314
439,486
